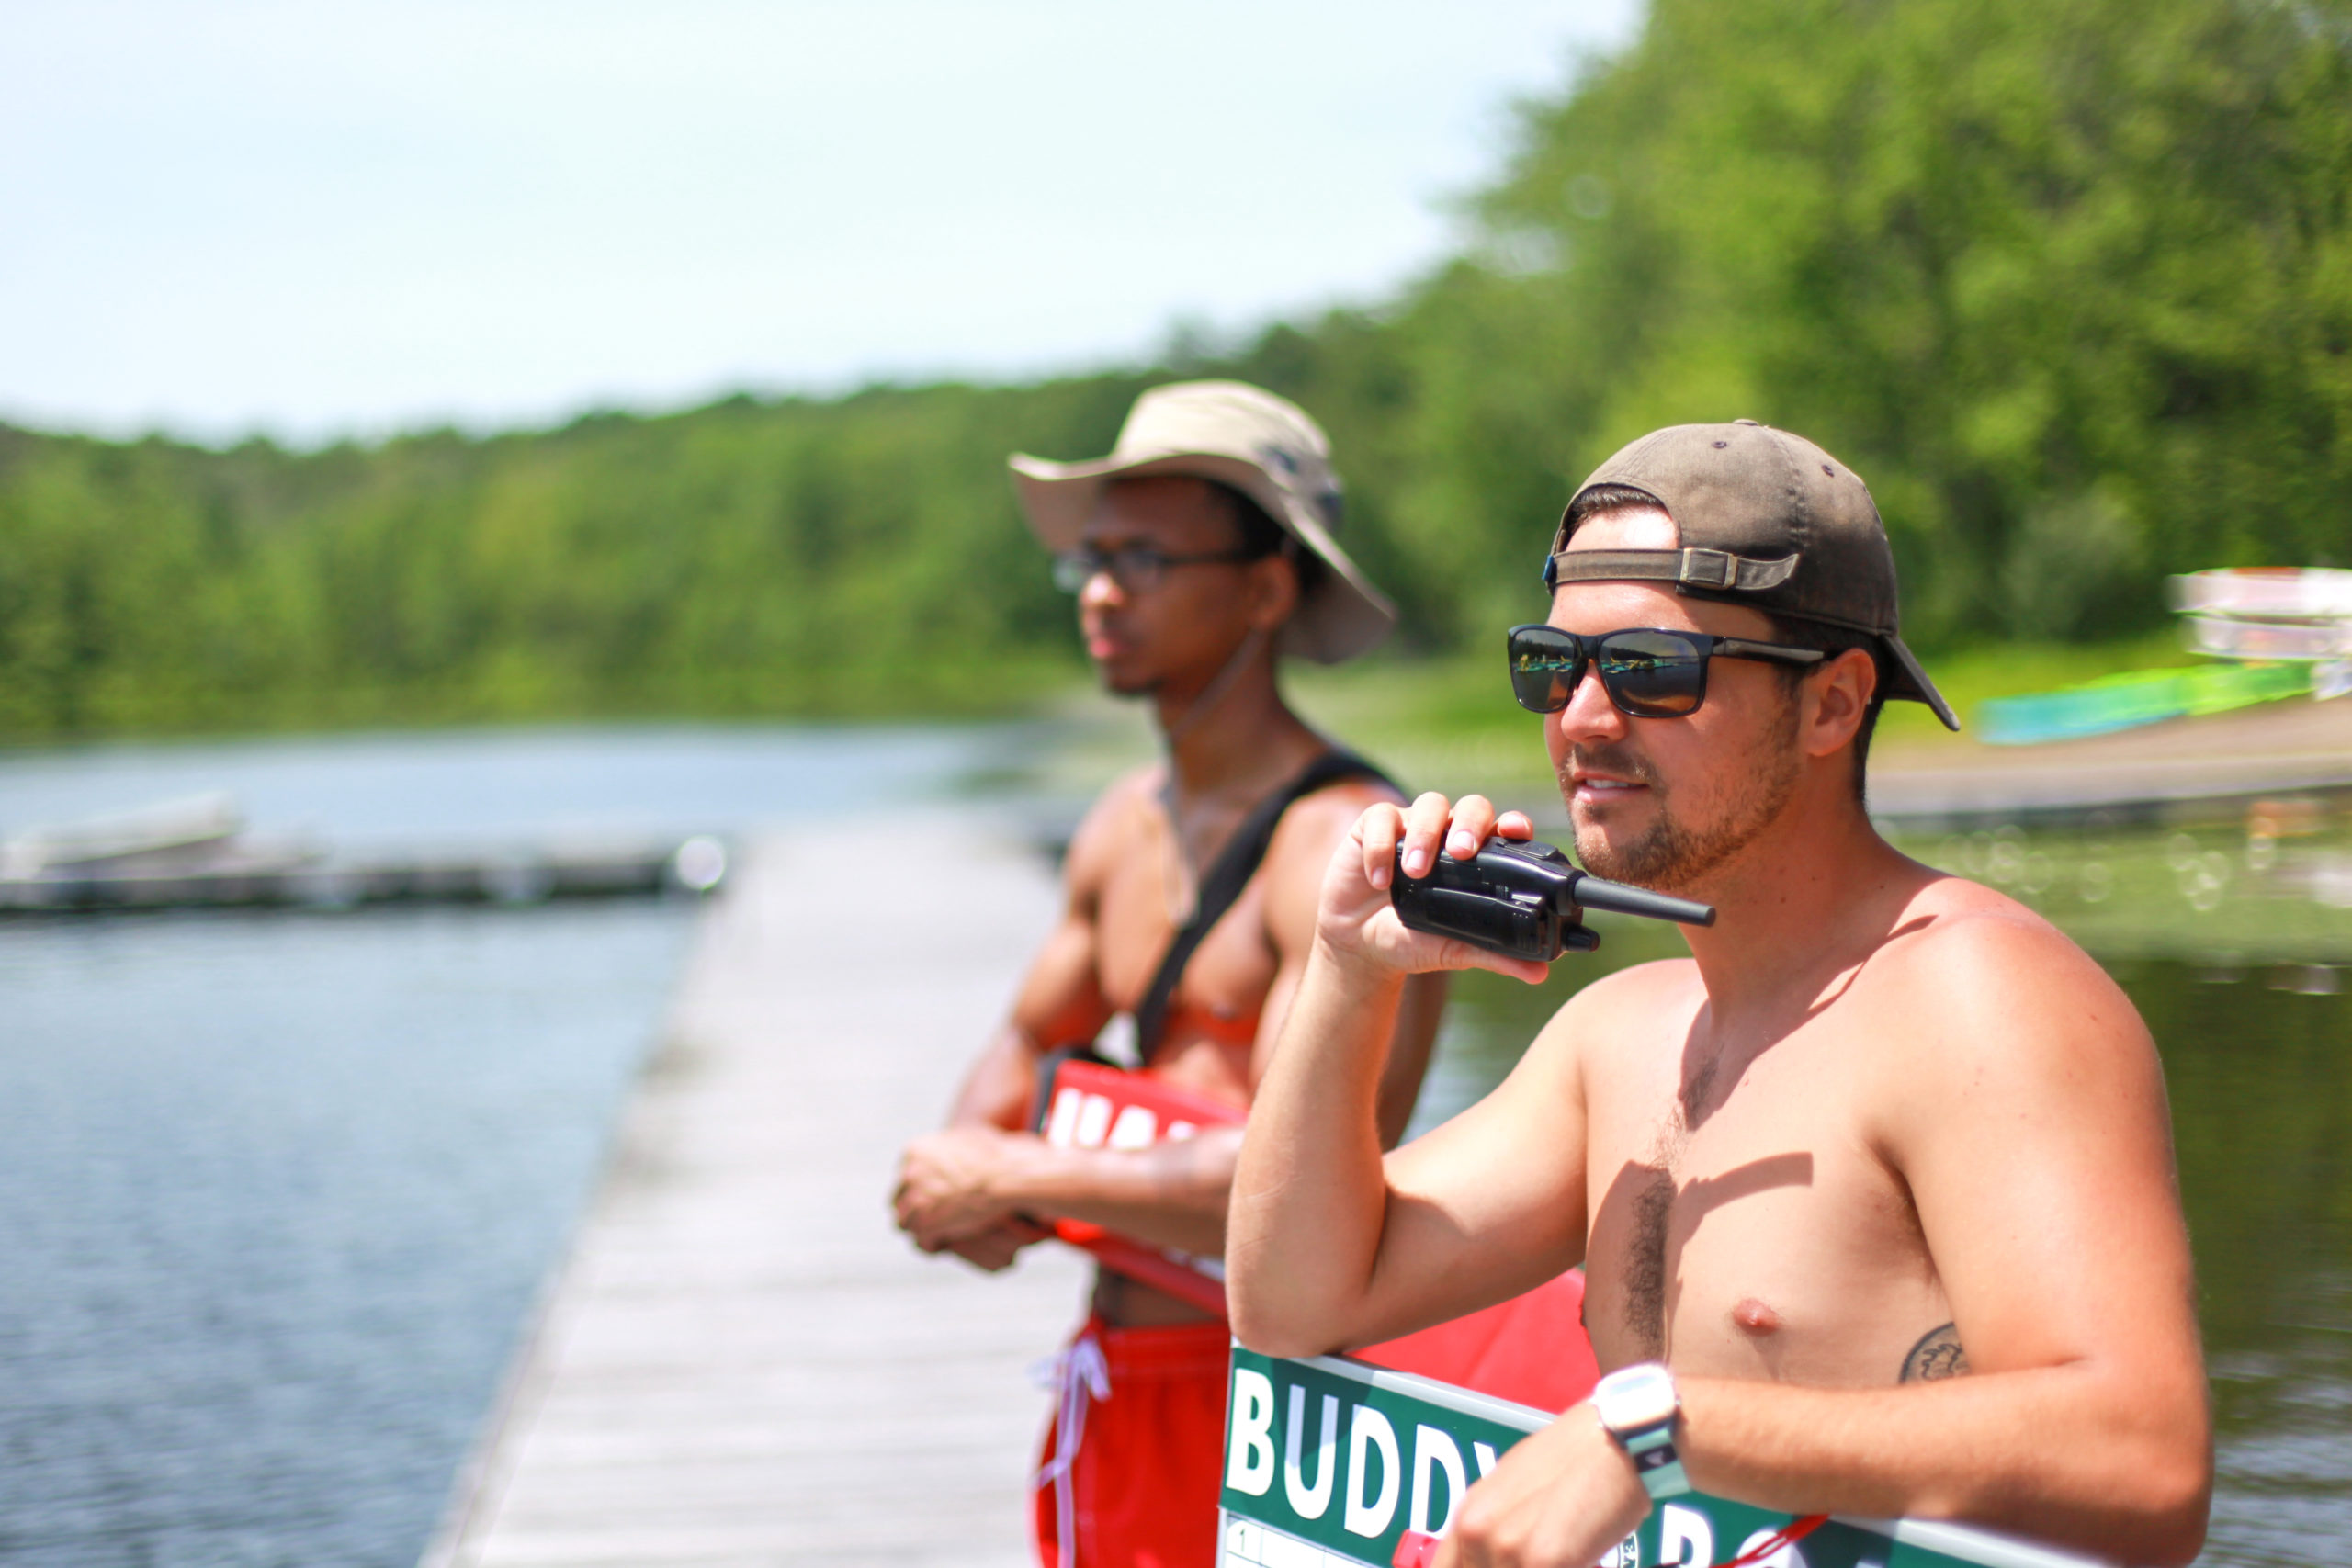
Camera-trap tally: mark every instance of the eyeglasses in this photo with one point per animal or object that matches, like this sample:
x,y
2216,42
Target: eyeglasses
x,y
1647,673
1137,568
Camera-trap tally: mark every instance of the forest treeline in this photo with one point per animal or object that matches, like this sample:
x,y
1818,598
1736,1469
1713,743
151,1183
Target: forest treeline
x,y
2070,285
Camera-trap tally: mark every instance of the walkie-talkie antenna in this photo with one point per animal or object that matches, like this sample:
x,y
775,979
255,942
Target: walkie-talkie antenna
x,y
1622,899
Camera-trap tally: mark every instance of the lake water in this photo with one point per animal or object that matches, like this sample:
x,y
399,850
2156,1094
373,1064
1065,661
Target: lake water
x,y
275,1195
276,1191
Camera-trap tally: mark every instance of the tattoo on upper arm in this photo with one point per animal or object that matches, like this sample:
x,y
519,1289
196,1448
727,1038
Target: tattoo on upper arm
x,y
1938,1355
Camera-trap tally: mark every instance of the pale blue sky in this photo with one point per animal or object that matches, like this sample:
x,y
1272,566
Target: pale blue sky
x,y
320,219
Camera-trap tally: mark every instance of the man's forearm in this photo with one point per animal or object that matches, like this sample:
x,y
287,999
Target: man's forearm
x,y
2066,1455
1171,1194
1310,1192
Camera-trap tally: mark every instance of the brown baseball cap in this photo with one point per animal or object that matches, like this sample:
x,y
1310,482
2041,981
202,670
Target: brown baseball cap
x,y
1767,519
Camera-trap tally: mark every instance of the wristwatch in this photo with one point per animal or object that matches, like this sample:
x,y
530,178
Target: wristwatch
x,y
1638,1408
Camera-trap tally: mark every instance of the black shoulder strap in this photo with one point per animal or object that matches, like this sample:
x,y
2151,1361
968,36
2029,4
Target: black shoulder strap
x,y
1236,864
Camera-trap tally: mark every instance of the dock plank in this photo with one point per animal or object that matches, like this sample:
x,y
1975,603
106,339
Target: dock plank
x,y
741,1362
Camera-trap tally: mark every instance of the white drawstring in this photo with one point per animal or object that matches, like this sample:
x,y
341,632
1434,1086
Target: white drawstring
x,y
1074,1376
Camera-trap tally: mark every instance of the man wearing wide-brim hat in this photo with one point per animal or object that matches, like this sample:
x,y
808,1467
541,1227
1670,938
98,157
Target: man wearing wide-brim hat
x,y
1199,550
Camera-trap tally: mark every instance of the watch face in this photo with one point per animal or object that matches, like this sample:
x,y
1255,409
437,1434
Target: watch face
x,y
1635,1397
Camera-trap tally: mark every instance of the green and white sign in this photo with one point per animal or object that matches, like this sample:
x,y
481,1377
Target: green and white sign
x,y
1328,1461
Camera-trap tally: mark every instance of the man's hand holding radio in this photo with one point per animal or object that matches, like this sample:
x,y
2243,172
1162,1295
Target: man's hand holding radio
x,y
1357,929
1311,1168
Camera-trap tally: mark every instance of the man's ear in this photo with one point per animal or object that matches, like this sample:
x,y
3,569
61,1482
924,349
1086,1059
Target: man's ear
x,y
1273,591
1838,693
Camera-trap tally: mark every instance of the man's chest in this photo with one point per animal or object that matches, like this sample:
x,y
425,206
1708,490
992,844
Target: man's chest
x,y
1143,904
1751,1231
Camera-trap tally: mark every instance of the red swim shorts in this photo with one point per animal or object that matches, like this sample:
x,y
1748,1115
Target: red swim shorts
x,y
1145,1409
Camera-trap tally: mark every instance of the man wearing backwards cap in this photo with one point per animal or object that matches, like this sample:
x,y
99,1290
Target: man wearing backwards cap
x,y
1874,1192
1198,549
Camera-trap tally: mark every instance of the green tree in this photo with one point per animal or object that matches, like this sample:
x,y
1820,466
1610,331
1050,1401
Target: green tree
x,y
2072,284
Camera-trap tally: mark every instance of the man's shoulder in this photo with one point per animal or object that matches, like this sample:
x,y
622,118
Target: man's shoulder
x,y
1638,987
1972,988
1313,825
1960,943
1338,803
1627,1007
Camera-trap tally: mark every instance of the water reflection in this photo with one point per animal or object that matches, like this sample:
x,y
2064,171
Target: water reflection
x,y
2231,944
2261,1085
274,1198
2274,888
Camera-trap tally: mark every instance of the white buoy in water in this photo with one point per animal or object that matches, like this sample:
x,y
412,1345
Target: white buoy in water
x,y
700,864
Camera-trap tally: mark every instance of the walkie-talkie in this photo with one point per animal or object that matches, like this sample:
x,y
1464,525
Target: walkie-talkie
x,y
1522,899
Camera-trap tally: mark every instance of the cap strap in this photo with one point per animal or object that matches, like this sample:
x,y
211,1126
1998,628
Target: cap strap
x,y
1689,568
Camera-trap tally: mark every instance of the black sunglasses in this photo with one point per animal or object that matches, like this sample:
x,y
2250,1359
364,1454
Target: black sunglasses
x,y
1647,673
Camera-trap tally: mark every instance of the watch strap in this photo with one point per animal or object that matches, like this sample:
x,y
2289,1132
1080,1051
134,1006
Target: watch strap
x,y
1655,1459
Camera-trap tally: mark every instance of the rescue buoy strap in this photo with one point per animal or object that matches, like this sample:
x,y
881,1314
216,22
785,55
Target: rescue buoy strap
x,y
1235,865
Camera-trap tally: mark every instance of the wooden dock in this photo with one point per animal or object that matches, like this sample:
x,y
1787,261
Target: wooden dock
x,y
741,1362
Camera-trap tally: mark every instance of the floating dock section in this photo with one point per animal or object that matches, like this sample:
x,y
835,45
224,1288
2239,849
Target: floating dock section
x,y
196,853
742,1363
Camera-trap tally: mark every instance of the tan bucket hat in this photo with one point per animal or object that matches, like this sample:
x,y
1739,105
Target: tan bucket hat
x,y
1261,444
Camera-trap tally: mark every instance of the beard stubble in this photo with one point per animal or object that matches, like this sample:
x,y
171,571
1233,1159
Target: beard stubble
x,y
1673,853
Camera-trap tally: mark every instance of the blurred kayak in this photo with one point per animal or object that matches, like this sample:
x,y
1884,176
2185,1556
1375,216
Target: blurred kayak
x,y
2136,697
2286,631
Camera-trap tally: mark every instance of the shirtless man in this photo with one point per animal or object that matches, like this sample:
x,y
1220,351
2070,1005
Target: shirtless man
x,y
1874,1193
1198,549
